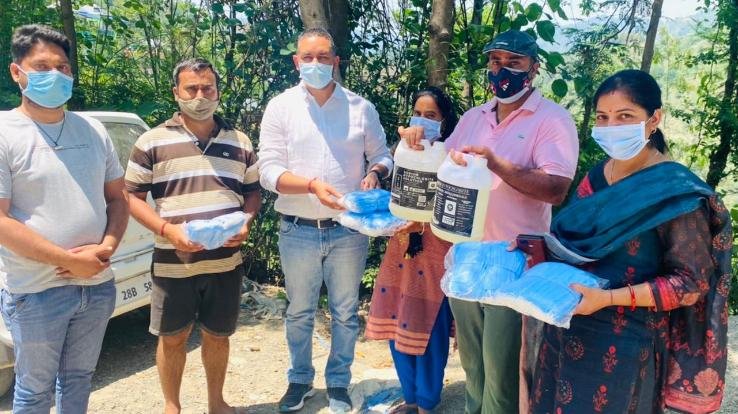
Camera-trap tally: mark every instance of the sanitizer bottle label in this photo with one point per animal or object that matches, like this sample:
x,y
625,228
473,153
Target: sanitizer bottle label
x,y
413,189
454,208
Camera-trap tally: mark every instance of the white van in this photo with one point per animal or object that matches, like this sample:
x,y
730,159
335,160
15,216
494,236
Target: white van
x,y
131,263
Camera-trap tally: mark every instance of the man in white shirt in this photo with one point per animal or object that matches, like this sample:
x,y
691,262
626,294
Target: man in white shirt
x,y
316,141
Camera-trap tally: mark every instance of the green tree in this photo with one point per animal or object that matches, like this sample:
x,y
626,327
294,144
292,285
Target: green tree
x,y
67,18
653,27
126,57
441,27
727,112
14,13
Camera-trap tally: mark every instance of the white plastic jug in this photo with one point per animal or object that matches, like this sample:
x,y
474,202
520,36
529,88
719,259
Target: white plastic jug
x,y
460,209
414,180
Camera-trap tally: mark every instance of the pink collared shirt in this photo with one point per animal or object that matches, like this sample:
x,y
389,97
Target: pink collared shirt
x,y
540,134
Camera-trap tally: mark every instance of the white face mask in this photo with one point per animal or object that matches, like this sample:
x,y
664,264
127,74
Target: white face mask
x,y
621,142
515,97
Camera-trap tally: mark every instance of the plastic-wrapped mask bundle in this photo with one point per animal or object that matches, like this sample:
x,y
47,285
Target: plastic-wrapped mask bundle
x,y
366,201
543,292
213,233
376,224
475,271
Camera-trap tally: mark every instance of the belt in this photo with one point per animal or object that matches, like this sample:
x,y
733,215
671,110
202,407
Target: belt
x,y
317,223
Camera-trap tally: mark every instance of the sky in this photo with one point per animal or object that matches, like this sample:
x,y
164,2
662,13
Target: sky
x,y
671,8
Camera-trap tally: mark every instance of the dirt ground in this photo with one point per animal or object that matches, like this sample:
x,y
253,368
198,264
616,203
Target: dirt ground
x,y
126,380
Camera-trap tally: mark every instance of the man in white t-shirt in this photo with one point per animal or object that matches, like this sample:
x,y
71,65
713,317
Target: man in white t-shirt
x,y
63,211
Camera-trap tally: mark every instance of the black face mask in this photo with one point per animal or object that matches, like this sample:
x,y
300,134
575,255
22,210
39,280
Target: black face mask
x,y
509,85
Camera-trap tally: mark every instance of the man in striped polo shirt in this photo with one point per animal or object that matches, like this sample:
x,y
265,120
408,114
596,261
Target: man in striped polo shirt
x,y
196,166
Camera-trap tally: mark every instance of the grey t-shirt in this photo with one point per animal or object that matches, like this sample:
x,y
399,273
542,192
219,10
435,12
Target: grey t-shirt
x,y
57,193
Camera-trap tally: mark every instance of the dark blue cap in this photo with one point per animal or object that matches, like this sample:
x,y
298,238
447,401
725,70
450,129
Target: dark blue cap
x,y
513,41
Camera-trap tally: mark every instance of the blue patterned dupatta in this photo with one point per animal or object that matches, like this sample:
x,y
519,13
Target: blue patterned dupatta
x,y
601,223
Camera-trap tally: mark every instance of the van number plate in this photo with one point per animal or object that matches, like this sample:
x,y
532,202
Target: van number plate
x,y
133,290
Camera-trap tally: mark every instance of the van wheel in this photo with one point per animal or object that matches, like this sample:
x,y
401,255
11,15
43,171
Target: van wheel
x,y
7,375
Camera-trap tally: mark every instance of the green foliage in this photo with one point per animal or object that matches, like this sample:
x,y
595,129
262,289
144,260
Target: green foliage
x,y
377,248
559,87
718,127
546,30
14,13
468,83
261,254
126,59
370,277
589,60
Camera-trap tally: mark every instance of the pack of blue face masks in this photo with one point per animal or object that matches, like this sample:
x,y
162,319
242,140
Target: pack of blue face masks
x,y
486,272
366,201
477,270
375,224
543,292
213,233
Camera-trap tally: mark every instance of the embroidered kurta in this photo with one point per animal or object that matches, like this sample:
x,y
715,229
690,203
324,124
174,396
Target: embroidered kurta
x,y
622,361
407,294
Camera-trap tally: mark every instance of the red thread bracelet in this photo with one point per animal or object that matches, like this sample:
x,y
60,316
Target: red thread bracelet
x,y
310,183
632,298
161,229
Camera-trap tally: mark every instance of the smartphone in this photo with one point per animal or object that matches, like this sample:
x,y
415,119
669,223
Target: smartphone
x,y
534,246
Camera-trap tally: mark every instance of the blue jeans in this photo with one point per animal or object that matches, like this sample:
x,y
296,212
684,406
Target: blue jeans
x,y
311,256
57,335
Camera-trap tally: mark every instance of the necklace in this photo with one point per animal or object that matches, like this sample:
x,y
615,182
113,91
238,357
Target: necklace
x,y
612,171
56,146
646,163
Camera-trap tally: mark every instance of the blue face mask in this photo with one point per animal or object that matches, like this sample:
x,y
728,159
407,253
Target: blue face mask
x,y
431,128
509,85
50,89
621,142
316,75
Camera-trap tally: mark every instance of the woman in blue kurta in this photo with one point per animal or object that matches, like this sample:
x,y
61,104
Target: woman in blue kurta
x,y
662,238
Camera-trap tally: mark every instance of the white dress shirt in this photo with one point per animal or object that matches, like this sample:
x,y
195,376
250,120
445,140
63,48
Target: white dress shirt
x,y
333,143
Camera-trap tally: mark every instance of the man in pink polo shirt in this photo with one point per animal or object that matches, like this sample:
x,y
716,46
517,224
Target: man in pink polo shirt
x,y
531,146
